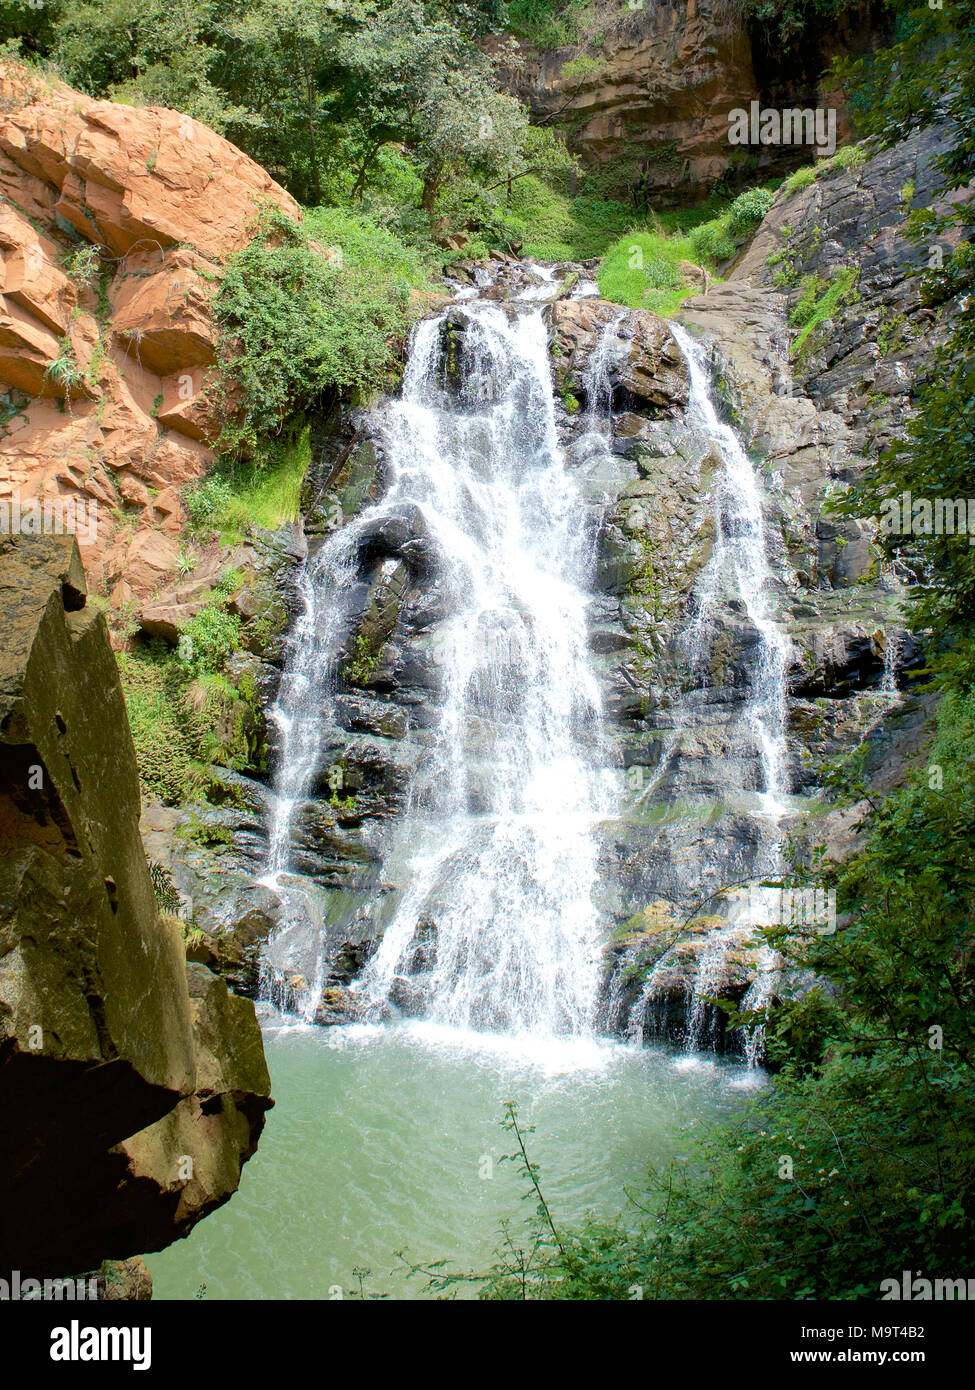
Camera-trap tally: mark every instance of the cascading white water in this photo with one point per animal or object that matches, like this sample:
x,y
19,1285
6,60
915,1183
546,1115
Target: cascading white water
x,y
739,569
305,689
498,847
495,860
737,579
757,1001
609,352
300,714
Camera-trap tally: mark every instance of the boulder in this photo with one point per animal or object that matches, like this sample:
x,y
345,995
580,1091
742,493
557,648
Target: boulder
x,y
133,1090
125,177
649,370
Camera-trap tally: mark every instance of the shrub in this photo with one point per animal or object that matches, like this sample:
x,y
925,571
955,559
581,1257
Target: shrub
x,y
748,209
712,241
297,317
209,502
207,639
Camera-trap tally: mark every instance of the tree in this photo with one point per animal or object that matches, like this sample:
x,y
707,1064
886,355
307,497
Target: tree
x,y
309,88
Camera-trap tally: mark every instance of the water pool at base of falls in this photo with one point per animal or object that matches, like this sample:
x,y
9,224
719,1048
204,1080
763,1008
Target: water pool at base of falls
x,y
379,1139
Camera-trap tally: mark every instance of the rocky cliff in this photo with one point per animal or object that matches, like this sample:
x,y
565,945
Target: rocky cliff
x,y
133,1086
819,338
646,92
114,223
813,392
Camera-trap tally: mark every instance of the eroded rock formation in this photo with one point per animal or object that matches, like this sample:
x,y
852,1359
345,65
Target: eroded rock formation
x,y
647,92
114,223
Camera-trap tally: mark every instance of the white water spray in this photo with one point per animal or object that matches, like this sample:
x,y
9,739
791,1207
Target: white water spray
x,y
497,845
495,855
739,569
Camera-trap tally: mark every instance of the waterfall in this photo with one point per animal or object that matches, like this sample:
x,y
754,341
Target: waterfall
x,y
892,655
490,872
739,572
736,584
609,351
497,842
305,687
494,859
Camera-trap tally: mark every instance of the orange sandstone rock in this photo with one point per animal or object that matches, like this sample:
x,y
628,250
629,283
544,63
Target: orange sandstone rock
x,y
108,387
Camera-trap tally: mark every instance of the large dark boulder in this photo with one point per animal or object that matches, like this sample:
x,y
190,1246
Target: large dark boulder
x,y
130,1095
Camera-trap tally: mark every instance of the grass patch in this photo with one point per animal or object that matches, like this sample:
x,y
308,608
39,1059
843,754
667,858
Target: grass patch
x,y
640,271
183,712
846,157
817,303
264,491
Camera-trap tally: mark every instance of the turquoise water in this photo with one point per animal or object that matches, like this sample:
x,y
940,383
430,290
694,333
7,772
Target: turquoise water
x,y
387,1139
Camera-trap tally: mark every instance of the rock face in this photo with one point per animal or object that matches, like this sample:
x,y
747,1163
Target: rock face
x,y
651,375
114,223
656,92
813,414
648,93
133,1089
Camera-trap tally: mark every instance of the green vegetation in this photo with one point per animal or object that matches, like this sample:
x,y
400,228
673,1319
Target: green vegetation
x,y
313,90
83,265
643,268
785,22
546,23
263,491
64,370
183,712
641,271
552,225
170,742
295,323
748,209
818,302
846,157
